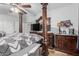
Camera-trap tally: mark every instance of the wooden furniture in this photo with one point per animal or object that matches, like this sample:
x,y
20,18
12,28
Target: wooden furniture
x,y
40,20
20,22
66,43
45,40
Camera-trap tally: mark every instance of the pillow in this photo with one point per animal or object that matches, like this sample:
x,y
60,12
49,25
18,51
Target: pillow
x,y
14,47
7,53
35,37
19,34
9,40
13,44
13,50
12,34
23,44
2,33
17,38
32,39
28,41
24,37
3,48
26,34
2,42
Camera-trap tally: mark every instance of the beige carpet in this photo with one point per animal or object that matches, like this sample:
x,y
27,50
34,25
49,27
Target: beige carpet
x,y
53,52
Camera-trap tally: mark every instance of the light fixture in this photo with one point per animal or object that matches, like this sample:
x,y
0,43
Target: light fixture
x,y
14,9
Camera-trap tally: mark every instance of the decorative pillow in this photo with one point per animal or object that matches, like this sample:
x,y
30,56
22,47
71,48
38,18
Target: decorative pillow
x,y
29,42
32,39
2,33
24,37
3,48
2,42
7,52
9,40
12,35
23,44
19,34
26,34
35,37
13,44
13,50
16,38
14,47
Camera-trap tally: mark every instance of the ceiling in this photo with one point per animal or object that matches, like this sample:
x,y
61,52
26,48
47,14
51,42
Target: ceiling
x,y
35,9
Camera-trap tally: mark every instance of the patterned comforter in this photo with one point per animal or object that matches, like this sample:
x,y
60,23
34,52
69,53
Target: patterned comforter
x,y
13,43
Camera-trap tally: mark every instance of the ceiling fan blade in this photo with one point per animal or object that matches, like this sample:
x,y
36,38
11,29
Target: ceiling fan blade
x,y
26,6
20,8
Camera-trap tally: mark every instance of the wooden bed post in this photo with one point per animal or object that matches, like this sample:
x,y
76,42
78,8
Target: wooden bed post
x,y
45,40
20,22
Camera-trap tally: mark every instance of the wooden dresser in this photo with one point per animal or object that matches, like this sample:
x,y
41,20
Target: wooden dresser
x,y
66,43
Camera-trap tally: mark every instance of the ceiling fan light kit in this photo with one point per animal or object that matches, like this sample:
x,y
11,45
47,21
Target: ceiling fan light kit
x,y
19,7
14,9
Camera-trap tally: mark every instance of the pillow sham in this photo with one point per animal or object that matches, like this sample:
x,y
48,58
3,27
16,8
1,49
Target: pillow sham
x,y
23,44
14,47
3,48
9,40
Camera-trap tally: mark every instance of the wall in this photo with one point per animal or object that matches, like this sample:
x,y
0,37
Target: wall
x,y
16,23
7,23
69,12
65,13
10,23
28,19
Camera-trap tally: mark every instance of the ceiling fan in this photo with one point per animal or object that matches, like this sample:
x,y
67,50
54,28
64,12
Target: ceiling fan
x,y
21,6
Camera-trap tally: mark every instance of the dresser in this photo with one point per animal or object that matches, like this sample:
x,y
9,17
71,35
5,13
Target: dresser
x,y
66,43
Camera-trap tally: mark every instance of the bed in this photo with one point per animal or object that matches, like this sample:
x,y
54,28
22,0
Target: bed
x,y
20,44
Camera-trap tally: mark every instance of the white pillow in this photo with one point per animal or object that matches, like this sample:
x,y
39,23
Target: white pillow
x,y
9,40
28,41
13,44
17,38
2,42
12,34
14,47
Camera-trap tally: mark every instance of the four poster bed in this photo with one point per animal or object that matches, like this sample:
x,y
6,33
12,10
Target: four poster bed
x,y
23,44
